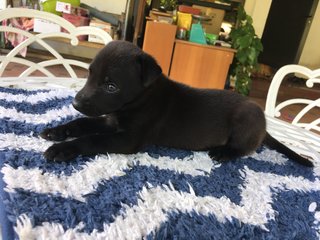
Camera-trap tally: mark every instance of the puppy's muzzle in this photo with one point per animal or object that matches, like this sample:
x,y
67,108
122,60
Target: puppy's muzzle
x,y
82,105
77,104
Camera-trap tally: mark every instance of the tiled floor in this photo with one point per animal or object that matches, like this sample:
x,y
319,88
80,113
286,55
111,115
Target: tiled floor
x,y
14,69
260,86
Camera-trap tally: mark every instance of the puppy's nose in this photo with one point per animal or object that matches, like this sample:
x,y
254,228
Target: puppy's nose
x,y
79,99
76,104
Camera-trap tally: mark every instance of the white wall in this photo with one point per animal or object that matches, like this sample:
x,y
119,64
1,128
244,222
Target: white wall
x,y
3,4
258,10
310,56
111,6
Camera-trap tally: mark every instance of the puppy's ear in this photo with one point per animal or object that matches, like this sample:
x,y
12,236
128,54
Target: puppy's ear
x,y
150,70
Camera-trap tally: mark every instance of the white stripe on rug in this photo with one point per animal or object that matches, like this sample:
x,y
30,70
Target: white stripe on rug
x,y
197,164
101,168
268,155
22,142
37,97
47,117
154,204
142,219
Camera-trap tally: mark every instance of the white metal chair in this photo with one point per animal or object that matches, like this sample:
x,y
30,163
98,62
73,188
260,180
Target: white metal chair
x,y
302,137
26,80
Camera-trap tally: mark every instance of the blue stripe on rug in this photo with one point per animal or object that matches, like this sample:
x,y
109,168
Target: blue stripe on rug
x,y
31,160
204,227
293,221
22,128
22,91
221,182
287,224
279,169
38,108
109,194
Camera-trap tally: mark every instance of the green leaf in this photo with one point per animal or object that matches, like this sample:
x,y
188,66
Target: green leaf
x,y
249,19
242,55
245,42
256,43
241,13
248,46
252,56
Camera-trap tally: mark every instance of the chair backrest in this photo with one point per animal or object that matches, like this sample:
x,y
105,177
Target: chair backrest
x,y
273,107
71,33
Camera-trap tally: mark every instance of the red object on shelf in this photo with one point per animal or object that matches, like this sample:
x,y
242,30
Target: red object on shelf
x,y
188,9
77,21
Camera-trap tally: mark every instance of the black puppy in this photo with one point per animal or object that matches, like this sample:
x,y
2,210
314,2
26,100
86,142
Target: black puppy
x,y
131,104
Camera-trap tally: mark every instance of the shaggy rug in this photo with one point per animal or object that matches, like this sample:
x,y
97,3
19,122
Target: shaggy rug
x,y
159,193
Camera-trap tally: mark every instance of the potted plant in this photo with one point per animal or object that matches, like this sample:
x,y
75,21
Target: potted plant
x,y
168,5
248,46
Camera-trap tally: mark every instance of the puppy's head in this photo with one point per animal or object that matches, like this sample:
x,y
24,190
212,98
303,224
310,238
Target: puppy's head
x,y
117,76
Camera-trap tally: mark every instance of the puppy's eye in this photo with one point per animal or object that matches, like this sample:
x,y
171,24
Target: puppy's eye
x,y
112,87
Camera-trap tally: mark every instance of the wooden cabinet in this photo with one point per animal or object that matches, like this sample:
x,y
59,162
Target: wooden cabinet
x,y
159,42
197,65
201,66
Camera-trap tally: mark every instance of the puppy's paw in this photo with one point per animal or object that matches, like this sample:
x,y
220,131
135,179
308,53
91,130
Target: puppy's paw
x,y
219,154
59,133
61,152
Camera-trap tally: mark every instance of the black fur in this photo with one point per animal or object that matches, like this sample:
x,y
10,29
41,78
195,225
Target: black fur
x,y
131,104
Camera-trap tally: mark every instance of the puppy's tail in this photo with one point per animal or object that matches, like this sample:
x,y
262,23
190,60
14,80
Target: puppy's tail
x,y
276,145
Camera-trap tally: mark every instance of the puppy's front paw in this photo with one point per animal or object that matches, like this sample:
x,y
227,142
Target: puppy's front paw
x,y
61,152
59,133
